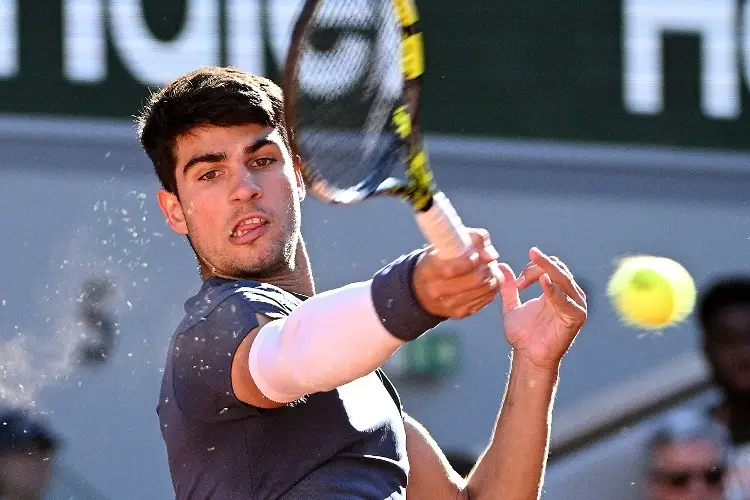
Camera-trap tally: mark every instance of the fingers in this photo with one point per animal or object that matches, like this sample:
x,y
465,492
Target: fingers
x,y
451,268
481,277
458,278
480,237
465,295
558,287
454,297
506,286
470,308
573,310
556,270
483,253
461,286
508,289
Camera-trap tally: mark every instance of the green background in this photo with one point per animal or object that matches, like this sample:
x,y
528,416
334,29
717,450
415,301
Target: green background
x,y
528,69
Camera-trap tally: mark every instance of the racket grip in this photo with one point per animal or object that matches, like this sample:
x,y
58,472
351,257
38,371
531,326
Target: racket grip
x,y
442,227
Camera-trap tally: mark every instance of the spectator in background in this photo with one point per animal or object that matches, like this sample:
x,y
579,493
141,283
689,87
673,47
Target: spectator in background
x,y
687,459
724,316
27,450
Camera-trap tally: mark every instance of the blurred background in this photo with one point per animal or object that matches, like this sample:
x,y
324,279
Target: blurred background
x,y
593,129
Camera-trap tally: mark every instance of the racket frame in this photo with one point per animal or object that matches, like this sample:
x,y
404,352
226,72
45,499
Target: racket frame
x,y
436,217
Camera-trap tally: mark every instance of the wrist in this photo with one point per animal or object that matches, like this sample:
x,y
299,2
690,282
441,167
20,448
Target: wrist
x,y
523,363
396,302
415,279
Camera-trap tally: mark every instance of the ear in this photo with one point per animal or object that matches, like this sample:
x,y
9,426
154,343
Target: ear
x,y
298,174
172,210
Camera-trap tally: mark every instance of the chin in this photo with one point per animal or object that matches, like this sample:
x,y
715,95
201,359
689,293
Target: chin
x,y
256,274
263,258
255,270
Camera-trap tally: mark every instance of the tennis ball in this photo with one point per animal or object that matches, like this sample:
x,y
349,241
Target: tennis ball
x,y
651,292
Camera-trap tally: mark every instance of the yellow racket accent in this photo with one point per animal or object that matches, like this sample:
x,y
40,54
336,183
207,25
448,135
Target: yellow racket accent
x,y
412,64
412,59
417,170
402,122
407,12
420,180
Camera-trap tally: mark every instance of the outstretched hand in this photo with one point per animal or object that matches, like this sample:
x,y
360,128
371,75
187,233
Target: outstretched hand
x,y
543,328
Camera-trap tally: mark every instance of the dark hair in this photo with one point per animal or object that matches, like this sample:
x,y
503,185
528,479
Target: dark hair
x,y
219,96
720,295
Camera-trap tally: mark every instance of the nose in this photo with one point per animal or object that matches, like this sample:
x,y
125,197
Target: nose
x,y
246,187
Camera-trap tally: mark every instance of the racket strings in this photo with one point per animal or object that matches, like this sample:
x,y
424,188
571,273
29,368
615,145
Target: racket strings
x,y
348,81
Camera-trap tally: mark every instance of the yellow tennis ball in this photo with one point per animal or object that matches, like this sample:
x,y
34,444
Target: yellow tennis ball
x,y
651,292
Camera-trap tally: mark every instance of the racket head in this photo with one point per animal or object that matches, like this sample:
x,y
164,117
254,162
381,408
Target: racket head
x,y
352,89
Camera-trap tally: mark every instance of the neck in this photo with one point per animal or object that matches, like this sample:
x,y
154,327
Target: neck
x,y
297,279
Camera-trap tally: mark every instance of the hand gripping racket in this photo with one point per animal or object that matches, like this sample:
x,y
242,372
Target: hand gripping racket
x,y
352,87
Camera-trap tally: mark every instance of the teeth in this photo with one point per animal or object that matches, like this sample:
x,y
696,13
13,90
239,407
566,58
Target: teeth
x,y
254,220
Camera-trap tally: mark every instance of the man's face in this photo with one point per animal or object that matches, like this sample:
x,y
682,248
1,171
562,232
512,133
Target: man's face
x,y
691,470
728,348
239,200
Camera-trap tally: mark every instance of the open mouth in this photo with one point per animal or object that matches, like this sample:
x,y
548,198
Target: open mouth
x,y
247,226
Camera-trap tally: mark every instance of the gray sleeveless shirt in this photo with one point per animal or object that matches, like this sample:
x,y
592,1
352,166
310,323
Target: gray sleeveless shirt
x,y
346,444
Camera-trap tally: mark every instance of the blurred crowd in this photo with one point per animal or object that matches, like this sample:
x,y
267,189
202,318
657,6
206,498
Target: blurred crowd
x,y
706,456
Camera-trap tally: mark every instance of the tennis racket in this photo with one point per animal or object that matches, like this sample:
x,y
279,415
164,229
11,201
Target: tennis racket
x,y
352,86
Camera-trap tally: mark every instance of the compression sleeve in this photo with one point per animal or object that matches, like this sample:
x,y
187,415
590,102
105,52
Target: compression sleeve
x,y
338,336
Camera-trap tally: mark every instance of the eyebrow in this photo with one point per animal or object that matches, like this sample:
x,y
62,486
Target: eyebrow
x,y
221,156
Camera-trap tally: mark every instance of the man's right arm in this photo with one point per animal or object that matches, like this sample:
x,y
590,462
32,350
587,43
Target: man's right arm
x,y
338,336
329,340
242,383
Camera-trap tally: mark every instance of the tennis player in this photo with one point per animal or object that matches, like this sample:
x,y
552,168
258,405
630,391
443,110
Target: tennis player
x,y
273,391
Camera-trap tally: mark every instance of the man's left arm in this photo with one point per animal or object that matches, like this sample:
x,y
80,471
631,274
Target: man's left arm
x,y
540,331
512,465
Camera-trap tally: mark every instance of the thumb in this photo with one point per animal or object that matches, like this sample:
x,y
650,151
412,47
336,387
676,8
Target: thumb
x,y
508,289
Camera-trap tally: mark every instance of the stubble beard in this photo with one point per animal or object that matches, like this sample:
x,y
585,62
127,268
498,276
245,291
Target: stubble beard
x,y
280,254
280,259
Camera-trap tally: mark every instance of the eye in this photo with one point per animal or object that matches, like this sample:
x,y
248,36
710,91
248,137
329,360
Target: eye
x,y
210,175
263,162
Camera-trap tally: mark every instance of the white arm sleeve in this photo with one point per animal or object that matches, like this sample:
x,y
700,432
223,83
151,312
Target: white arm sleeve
x,y
331,339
